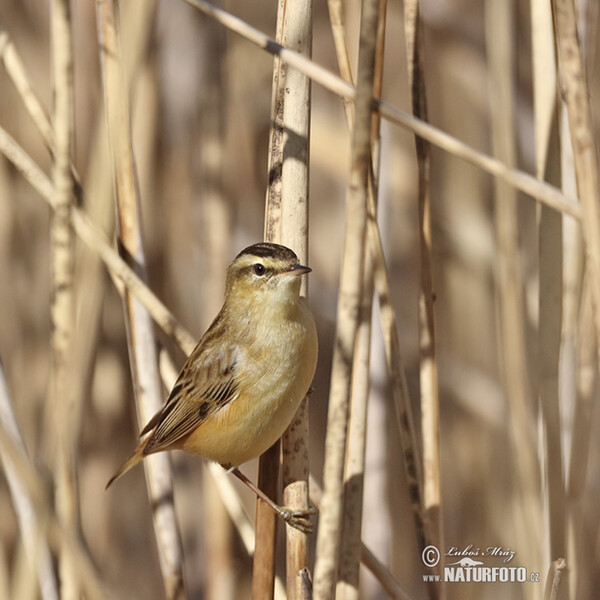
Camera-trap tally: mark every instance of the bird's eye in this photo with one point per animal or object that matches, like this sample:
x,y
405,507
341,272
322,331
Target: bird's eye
x,y
259,269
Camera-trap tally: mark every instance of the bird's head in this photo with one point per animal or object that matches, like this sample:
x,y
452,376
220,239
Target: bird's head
x,y
264,273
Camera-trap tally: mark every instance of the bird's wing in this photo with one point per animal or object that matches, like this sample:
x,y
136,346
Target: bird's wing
x,y
207,382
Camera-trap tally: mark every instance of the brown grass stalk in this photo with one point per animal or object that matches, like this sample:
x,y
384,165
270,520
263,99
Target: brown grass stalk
x,y
577,99
367,557
349,301
13,64
297,34
31,529
88,278
15,69
400,395
522,181
581,445
139,326
263,571
263,566
556,581
286,221
395,363
60,540
587,382
98,242
512,319
354,468
428,369
550,244
61,399
338,29
42,528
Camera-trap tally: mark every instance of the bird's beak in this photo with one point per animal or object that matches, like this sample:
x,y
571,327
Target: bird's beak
x,y
297,270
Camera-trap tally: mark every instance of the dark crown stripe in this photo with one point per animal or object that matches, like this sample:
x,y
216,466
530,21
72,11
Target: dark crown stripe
x,y
268,250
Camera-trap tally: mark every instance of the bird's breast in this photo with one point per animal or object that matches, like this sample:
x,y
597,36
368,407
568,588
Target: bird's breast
x,y
275,372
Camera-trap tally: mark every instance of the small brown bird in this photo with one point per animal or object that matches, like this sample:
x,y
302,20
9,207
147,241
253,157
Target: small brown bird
x,y
241,386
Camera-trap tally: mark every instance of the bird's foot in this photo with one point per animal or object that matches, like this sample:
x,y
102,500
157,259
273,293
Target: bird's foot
x,y
298,518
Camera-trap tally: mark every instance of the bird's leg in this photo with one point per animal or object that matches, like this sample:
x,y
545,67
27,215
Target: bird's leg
x,y
295,518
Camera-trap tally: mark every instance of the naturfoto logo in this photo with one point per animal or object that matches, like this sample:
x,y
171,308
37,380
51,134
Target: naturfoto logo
x,y
470,569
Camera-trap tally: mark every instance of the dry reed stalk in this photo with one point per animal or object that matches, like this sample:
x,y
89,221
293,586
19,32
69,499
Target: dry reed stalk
x,y
395,366
15,69
378,91
556,581
577,100
240,519
263,566
338,29
303,585
61,401
286,221
18,75
550,322
550,253
5,577
367,557
89,272
88,280
581,435
428,370
512,320
296,32
44,527
354,469
140,336
295,495
519,179
98,242
587,381
263,571
233,505
349,302
275,152
31,528
397,374
214,213
59,539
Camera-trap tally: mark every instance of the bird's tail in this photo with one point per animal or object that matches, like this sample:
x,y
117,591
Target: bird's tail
x,y
133,460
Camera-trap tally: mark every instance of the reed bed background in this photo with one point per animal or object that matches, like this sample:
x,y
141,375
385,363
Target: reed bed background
x,y
456,280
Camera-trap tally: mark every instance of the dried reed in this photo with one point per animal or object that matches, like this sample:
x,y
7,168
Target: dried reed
x,y
142,349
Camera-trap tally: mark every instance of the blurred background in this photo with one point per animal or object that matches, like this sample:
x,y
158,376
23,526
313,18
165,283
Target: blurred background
x,y
201,101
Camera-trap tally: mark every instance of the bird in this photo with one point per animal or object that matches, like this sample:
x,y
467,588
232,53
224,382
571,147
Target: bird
x,y
241,386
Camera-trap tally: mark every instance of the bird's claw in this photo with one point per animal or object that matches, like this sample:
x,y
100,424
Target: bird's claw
x,y
298,518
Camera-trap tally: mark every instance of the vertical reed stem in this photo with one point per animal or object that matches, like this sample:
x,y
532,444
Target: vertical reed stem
x,y
509,273
428,371
577,97
297,35
349,300
263,572
141,344
62,398
354,471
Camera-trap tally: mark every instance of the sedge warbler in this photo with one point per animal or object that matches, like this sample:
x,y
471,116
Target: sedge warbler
x,y
242,384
